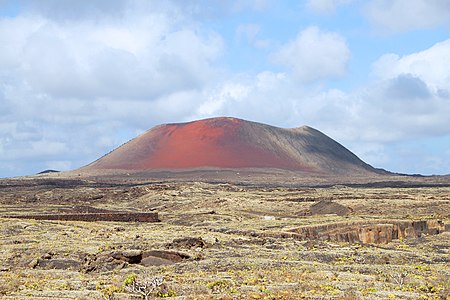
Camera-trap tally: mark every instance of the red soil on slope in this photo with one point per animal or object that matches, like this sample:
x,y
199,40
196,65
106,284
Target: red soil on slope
x,y
205,144
222,143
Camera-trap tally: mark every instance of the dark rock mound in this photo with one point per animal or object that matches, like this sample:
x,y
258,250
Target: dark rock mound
x,y
52,260
326,207
48,171
59,264
112,260
187,243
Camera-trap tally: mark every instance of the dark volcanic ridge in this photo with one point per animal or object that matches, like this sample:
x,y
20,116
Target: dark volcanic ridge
x,y
233,143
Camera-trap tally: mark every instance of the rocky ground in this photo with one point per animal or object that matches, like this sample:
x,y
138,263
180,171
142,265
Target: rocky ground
x,y
244,239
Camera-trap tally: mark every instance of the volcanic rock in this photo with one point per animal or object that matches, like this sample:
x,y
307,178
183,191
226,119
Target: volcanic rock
x,y
113,260
370,232
187,243
232,143
59,264
325,207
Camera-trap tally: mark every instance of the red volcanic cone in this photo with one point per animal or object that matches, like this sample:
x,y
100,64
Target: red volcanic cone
x,y
232,143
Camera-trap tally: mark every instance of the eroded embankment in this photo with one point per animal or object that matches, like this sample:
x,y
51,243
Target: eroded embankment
x,y
371,231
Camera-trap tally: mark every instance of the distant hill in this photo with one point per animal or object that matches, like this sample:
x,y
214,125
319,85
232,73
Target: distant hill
x,y
233,143
48,171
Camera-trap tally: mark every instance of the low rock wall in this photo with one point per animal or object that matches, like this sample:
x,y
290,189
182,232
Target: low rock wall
x,y
92,217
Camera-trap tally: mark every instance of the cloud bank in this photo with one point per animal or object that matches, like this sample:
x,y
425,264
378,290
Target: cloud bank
x,y
64,72
315,55
78,80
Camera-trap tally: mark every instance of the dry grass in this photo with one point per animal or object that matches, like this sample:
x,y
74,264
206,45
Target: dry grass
x,y
236,262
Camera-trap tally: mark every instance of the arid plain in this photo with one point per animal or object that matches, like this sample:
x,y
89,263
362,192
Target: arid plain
x,y
226,234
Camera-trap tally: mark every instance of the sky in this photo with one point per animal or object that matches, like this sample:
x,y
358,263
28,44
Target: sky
x,y
80,78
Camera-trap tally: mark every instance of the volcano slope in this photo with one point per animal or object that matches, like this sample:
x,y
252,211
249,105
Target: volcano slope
x,y
233,143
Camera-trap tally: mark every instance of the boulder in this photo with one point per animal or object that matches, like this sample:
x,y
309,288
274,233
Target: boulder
x,y
59,264
187,243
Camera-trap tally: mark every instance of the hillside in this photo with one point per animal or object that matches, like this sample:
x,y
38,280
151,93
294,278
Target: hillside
x,y
233,143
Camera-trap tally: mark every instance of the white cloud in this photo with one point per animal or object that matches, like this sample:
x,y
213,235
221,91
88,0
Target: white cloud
x,y
74,84
404,15
265,97
80,78
399,114
315,55
431,65
325,6
230,92
413,92
102,61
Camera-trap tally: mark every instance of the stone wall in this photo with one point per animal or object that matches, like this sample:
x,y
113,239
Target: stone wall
x,y
92,217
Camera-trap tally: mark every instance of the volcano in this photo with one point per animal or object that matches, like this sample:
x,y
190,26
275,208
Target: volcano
x,y
232,143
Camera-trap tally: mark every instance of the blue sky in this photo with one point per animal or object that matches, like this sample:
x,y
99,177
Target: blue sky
x,y
79,78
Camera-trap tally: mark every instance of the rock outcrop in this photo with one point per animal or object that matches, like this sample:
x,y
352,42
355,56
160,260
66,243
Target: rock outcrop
x,y
370,232
113,260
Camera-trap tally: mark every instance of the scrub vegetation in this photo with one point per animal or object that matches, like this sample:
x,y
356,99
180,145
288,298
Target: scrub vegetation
x,y
217,241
